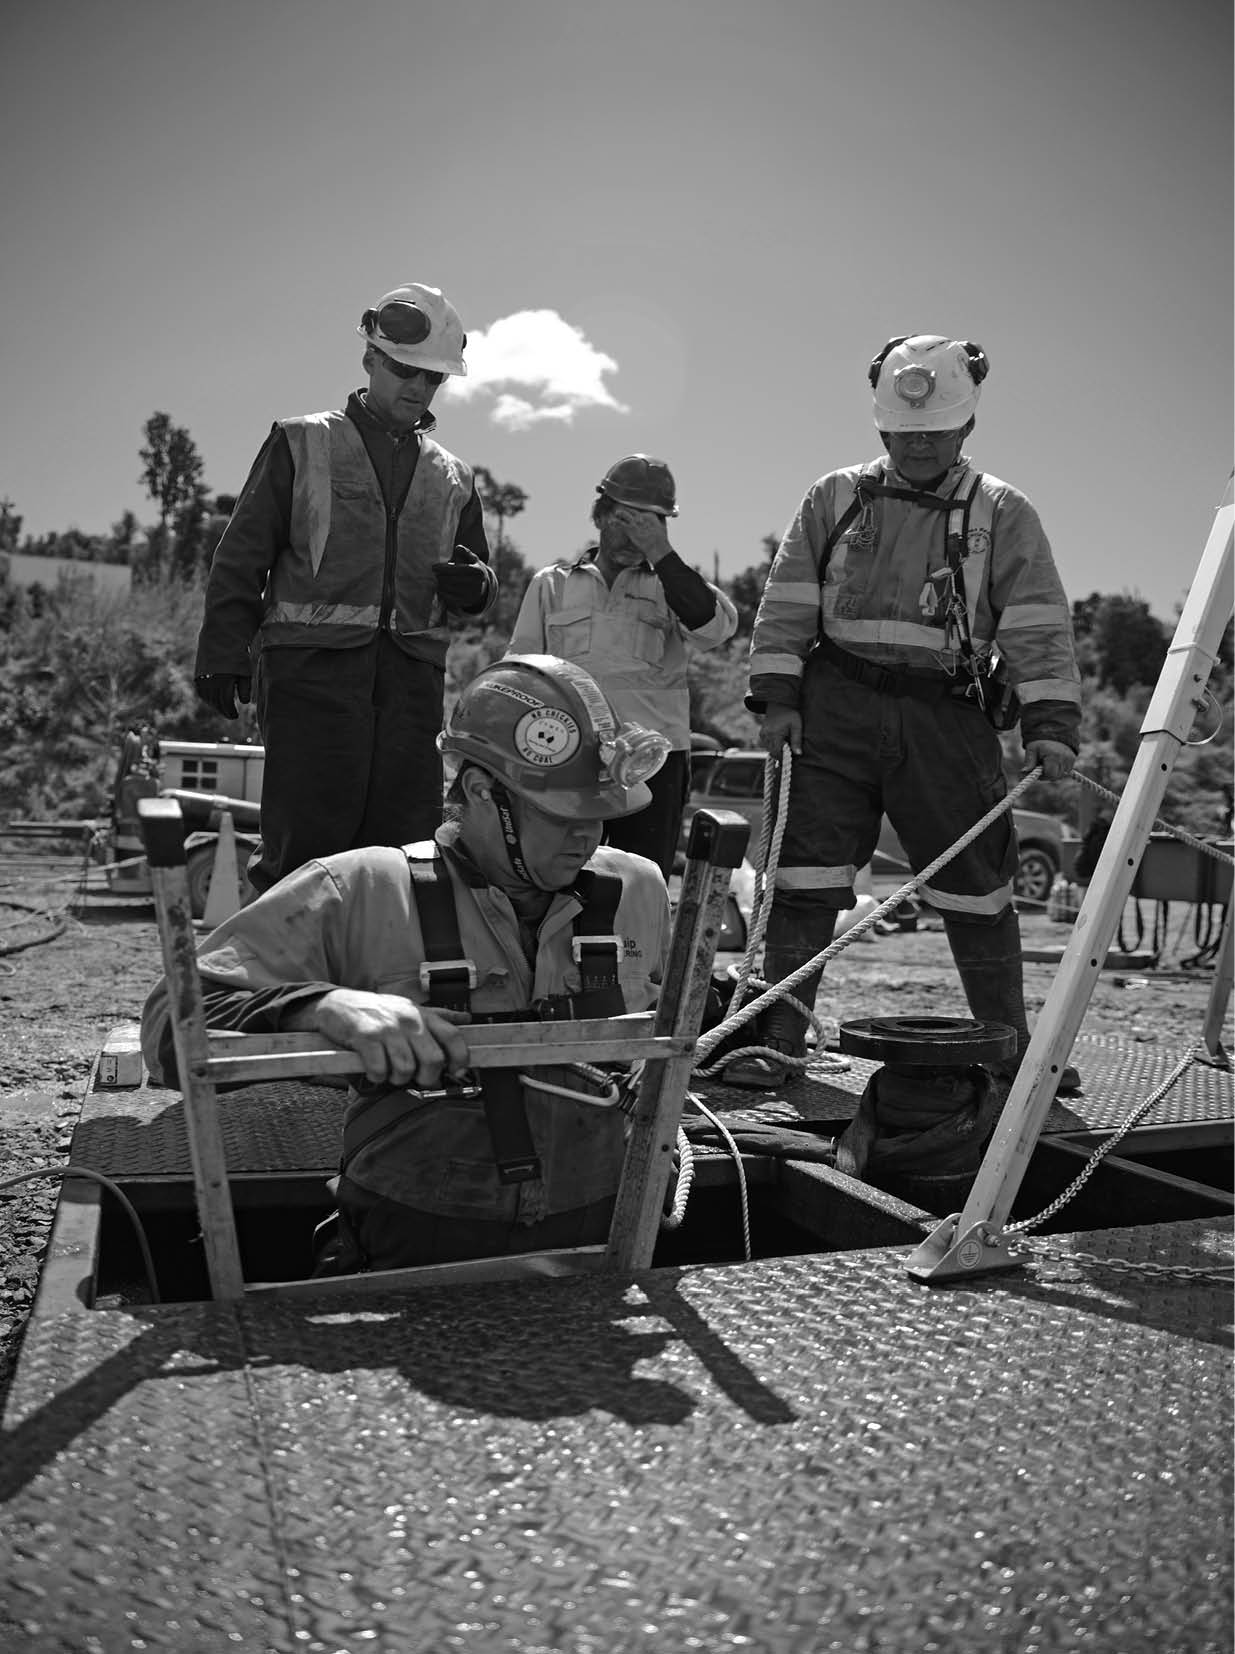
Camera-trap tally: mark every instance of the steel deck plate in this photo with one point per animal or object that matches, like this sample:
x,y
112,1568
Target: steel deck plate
x,y
286,1126
292,1127
1116,1077
797,1456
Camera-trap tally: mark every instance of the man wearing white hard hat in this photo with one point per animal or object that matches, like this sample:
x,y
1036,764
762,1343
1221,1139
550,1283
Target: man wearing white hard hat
x,y
355,541
912,611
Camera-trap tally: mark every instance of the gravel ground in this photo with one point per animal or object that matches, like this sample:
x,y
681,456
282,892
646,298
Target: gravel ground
x,y
67,979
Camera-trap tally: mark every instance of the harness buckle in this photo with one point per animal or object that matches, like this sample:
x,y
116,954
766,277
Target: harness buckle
x,y
554,1008
447,967
518,1170
578,943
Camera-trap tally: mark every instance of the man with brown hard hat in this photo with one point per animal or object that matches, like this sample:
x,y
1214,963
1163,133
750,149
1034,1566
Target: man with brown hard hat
x,y
626,611
908,600
355,540
515,910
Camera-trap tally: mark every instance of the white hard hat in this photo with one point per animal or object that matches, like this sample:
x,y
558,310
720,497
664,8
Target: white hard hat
x,y
416,325
925,382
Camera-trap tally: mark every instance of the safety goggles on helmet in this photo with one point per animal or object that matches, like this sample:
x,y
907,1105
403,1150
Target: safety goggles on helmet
x,y
400,322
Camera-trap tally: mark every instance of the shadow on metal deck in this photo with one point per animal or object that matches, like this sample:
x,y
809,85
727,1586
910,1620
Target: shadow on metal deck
x,y
809,1451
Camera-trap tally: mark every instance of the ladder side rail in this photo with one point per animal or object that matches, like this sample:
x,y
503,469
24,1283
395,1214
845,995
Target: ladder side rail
x,y
255,1057
550,1264
162,830
971,1242
716,845
1220,993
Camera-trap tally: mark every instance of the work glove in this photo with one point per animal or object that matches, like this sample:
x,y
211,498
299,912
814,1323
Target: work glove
x,y
778,725
462,583
222,691
1055,758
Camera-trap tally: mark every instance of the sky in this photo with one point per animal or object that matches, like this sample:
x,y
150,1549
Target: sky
x,y
672,227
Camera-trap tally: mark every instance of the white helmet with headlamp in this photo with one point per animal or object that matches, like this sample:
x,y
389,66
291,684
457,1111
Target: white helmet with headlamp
x,y
924,382
415,325
543,726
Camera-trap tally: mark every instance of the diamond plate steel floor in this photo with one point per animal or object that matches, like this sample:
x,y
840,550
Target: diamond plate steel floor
x,y
291,1127
798,1456
1116,1077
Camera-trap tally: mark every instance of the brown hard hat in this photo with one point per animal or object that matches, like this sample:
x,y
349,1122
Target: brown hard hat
x,y
642,482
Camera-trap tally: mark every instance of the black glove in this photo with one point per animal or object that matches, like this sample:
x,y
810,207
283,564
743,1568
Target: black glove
x,y
463,582
222,690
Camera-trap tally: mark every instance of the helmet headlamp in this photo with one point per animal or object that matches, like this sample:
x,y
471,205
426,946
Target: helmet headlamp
x,y
914,385
633,754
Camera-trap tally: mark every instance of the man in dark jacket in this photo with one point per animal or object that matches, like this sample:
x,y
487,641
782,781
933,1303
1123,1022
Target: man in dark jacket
x,y
354,537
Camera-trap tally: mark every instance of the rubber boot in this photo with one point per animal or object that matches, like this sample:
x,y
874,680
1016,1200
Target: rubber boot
x,y
992,972
792,938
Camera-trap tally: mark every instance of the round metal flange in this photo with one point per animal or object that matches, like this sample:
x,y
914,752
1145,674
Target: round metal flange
x,y
927,1042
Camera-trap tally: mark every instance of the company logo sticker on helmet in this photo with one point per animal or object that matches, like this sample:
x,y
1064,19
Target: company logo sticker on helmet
x,y
914,385
547,736
594,703
513,694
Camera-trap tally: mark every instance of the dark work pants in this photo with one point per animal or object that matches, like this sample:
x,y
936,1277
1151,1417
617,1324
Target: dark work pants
x,y
377,1233
351,753
653,832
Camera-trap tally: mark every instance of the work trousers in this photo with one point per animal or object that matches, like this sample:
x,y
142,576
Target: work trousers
x,y
934,767
373,1232
653,832
351,753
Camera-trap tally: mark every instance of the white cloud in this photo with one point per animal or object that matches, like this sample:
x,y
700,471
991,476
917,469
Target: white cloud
x,y
537,367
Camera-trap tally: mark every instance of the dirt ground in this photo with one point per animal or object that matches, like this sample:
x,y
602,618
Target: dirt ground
x,y
67,977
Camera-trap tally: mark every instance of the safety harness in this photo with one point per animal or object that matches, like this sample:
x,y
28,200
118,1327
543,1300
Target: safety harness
x,y
987,684
447,979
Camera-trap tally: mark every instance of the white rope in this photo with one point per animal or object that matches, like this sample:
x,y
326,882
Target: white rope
x,y
686,1178
1162,826
736,1154
708,1042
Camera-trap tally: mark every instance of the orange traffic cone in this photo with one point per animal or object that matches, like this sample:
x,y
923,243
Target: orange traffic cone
x,y
224,897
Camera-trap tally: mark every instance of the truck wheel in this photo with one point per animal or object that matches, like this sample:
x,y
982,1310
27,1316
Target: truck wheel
x,y
1035,874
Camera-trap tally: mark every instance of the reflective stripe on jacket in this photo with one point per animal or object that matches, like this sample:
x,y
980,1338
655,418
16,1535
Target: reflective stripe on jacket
x,y
879,595
352,567
625,635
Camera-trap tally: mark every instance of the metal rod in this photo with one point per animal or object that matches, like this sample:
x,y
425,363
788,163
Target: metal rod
x,y
970,1243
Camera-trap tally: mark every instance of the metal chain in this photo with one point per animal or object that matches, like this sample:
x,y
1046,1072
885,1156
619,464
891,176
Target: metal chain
x,y
1103,1149
1036,1247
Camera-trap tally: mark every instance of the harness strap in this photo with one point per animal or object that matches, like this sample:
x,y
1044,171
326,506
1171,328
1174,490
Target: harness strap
x,y
445,974
597,948
448,978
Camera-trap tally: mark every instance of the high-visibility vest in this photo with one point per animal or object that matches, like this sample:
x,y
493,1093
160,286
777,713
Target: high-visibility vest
x,y
353,565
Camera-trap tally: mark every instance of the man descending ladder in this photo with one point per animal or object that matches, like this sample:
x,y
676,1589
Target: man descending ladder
x,y
413,961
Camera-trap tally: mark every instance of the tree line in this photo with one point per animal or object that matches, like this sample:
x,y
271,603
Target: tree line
x,y
79,667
